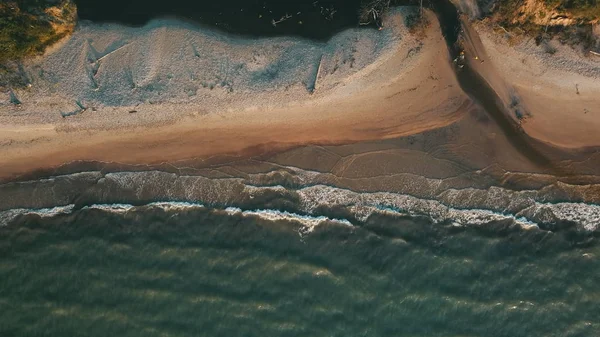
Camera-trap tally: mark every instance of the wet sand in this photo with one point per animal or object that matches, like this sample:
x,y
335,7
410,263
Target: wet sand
x,y
467,173
410,131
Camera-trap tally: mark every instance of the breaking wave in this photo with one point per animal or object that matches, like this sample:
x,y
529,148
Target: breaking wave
x,y
305,200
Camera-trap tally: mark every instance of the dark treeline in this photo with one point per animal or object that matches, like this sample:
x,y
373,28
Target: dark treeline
x,y
308,18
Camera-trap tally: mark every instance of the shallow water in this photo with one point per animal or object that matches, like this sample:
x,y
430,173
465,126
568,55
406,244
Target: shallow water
x,y
180,270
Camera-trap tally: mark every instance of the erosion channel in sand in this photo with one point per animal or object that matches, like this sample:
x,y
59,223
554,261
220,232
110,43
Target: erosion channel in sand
x,y
551,90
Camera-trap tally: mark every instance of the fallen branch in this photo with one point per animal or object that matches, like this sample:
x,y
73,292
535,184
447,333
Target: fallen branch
x,y
114,51
283,18
318,72
311,87
504,29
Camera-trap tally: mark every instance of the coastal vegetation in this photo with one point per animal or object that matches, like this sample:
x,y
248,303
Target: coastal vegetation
x,y
545,12
580,10
27,28
570,21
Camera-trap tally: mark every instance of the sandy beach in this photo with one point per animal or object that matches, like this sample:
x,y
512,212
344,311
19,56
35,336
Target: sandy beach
x,y
169,92
552,87
398,85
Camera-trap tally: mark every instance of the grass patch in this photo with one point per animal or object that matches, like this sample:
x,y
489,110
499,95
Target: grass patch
x,y
28,27
521,18
581,10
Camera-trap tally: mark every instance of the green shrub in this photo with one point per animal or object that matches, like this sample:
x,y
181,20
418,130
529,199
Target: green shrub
x,y
26,28
585,10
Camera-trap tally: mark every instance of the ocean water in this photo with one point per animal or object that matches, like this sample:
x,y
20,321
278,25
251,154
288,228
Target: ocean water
x,y
181,269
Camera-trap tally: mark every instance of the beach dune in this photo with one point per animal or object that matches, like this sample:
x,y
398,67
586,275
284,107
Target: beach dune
x,y
170,91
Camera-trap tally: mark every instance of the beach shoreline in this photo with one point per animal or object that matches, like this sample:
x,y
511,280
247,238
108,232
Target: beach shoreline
x,y
400,85
386,98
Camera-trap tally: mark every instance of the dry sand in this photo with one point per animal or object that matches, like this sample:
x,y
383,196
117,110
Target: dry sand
x,y
556,88
397,85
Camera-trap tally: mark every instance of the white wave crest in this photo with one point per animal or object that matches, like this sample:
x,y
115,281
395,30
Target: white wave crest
x,y
585,215
364,204
6,217
309,223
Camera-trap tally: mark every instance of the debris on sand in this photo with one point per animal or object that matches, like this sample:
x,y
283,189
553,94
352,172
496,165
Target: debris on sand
x,y
13,98
80,109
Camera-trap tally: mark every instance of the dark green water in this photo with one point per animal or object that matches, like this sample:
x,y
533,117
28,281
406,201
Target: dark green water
x,y
153,271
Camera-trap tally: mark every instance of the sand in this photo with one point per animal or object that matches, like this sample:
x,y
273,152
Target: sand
x,y
392,85
174,93
554,87
296,124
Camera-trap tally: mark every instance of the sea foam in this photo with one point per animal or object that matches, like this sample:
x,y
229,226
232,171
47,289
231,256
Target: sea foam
x,y
302,196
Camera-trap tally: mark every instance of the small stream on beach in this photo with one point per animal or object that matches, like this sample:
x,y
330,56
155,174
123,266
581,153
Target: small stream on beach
x,y
474,85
